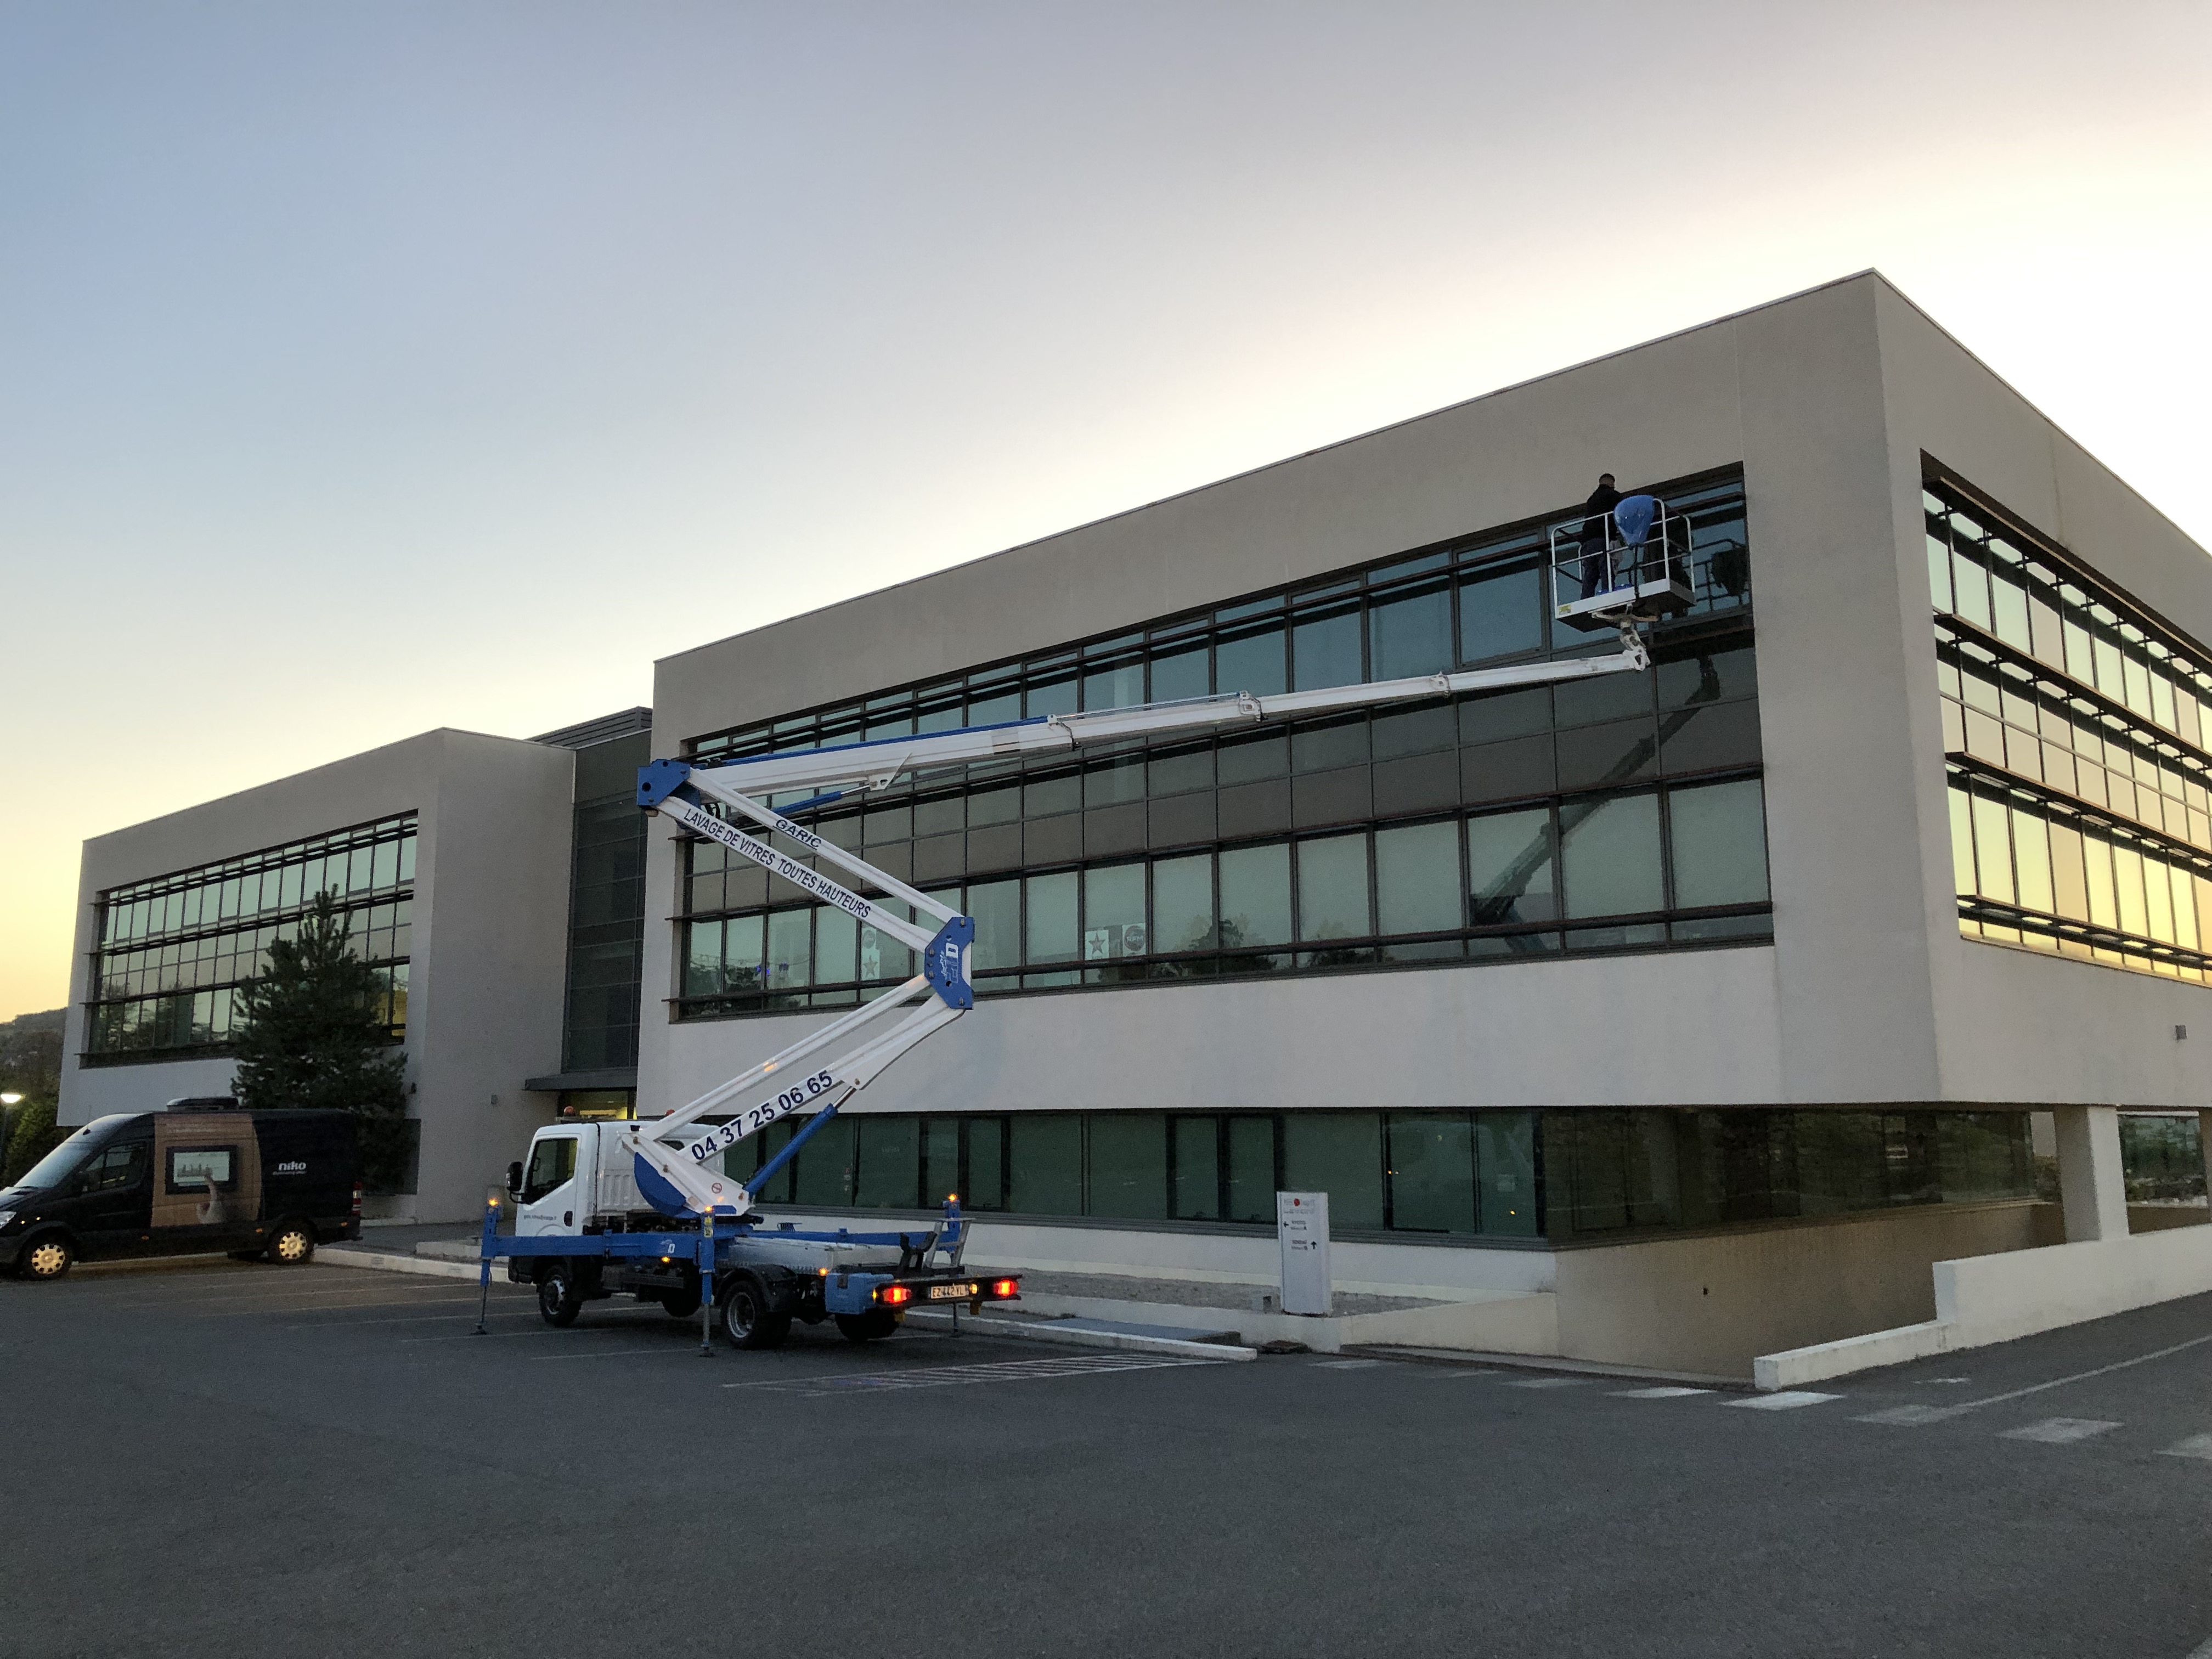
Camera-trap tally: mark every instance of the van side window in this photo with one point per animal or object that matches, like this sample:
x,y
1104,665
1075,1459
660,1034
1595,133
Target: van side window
x,y
199,1169
118,1168
551,1163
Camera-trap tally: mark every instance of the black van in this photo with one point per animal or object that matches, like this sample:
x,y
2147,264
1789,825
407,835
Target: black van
x,y
184,1180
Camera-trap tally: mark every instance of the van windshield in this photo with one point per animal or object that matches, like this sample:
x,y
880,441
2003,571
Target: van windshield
x,y
56,1166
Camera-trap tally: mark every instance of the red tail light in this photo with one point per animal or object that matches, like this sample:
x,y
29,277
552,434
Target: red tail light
x,y
1005,1287
356,1198
895,1294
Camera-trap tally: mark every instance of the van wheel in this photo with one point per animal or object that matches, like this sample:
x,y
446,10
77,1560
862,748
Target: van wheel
x,y
745,1318
293,1243
559,1300
869,1326
48,1258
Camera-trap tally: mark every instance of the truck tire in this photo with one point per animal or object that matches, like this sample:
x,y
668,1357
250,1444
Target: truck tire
x,y
681,1305
870,1327
47,1257
560,1299
746,1320
292,1245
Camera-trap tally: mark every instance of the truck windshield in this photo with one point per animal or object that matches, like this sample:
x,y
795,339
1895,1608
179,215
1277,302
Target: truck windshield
x,y
56,1166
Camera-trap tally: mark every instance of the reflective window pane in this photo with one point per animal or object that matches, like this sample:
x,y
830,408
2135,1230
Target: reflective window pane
x,y
1509,857
1333,887
1719,844
1416,885
1255,896
1609,856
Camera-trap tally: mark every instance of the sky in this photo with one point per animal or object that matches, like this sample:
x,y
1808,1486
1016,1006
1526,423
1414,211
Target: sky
x,y
369,369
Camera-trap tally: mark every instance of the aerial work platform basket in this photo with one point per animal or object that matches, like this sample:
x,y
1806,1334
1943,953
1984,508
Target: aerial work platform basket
x,y
1603,574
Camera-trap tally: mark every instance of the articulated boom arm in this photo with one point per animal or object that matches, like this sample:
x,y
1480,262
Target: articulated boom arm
x,y
861,1044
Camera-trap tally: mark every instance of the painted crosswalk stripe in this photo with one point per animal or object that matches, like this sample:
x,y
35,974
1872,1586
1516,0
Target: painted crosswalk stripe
x,y
2197,1445
1788,1401
1546,1383
2060,1430
1657,1394
1911,1417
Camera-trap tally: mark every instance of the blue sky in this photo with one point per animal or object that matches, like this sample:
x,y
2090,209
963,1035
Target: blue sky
x,y
369,369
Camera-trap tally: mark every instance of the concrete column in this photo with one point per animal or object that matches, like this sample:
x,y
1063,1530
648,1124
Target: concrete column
x,y
2090,1184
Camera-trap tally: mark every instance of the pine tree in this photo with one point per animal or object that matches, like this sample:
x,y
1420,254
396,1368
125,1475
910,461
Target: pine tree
x,y
315,1037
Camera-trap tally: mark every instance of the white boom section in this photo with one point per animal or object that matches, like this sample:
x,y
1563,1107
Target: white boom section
x,y
798,1084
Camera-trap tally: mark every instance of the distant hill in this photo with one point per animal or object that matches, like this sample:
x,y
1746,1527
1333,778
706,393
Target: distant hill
x,y
31,1055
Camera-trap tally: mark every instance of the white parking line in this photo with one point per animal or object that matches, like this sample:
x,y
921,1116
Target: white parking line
x,y
1911,1417
819,1385
1788,1401
1657,1394
1546,1383
2197,1445
2060,1430
1344,1365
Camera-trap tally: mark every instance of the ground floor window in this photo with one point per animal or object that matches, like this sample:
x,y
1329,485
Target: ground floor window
x,y
1507,1175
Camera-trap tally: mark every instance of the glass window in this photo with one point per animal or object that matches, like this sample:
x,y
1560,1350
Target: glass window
x,y
1182,903
1719,844
790,949
1255,896
1609,854
1114,912
1128,1165
1325,647
1409,632
1501,611
702,960
1505,1161
1047,1164
940,1159
889,1160
1333,887
996,907
1509,856
1182,671
1251,1168
1052,918
825,1164
1251,660
1197,1169
986,1162
552,1165
1992,849
1339,1153
1416,885
1432,1172
836,938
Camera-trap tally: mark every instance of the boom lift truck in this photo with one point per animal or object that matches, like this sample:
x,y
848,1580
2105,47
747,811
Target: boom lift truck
x,y
644,1207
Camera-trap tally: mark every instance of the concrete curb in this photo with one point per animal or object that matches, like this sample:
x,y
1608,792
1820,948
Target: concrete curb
x,y
1059,1331
398,1264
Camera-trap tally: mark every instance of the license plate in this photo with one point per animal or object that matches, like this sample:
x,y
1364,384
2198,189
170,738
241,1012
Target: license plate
x,y
953,1292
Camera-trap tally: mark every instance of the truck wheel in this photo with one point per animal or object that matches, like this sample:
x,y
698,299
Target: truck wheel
x,y
559,1300
293,1245
681,1305
46,1258
869,1326
746,1320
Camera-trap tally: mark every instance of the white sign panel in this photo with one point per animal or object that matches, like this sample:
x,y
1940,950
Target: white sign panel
x,y
1302,1229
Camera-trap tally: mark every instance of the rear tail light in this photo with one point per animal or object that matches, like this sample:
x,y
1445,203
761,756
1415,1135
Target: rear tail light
x,y
895,1294
356,1198
1004,1288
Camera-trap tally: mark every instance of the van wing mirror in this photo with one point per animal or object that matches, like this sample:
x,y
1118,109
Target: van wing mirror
x,y
514,1176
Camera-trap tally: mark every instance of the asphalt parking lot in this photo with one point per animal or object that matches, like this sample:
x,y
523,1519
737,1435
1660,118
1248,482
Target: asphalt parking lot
x,y
241,1460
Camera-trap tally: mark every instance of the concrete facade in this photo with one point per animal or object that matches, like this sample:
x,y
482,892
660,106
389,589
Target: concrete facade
x,y
1868,994
489,933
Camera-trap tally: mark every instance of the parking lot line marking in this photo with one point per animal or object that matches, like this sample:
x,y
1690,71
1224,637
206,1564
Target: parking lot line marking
x,y
1790,1399
1344,1365
621,1354
1657,1394
2060,1430
2197,1445
399,1319
819,1385
2083,1376
1911,1417
1546,1383
2202,1650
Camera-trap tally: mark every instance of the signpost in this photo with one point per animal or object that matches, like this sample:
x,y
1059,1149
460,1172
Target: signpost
x,y
1302,1231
